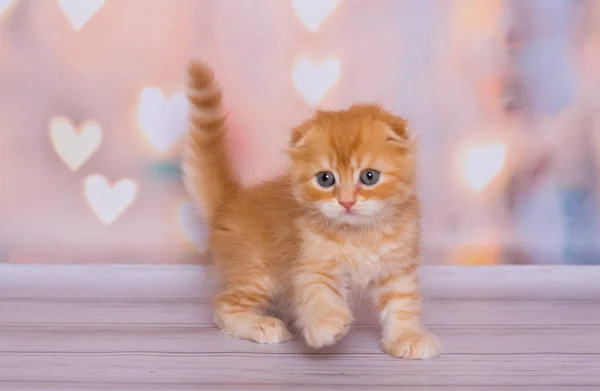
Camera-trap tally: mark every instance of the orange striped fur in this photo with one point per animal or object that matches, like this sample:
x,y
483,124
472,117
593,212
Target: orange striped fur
x,y
289,245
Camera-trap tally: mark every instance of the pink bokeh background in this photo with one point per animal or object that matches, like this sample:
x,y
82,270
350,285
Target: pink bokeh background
x,y
446,65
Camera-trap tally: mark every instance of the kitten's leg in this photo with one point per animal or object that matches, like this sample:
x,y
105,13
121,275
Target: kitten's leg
x,y
397,298
240,313
321,307
247,290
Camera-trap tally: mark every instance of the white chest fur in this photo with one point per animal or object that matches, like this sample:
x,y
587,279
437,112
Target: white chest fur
x,y
364,263
360,261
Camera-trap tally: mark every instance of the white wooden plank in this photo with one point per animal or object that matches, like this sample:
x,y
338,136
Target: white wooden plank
x,y
134,328
74,386
55,312
361,340
105,281
350,369
192,282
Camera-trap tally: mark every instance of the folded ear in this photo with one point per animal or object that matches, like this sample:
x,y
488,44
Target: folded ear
x,y
298,135
399,131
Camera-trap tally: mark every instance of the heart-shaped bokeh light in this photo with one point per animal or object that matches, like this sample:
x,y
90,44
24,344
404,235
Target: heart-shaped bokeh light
x,y
162,119
109,202
79,12
313,12
74,146
313,79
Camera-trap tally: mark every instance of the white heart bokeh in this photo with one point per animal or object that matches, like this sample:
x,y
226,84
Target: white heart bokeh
x,y
313,79
161,119
109,202
313,12
79,12
74,147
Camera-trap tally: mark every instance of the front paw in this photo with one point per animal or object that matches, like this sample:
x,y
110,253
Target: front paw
x,y
269,330
413,346
328,329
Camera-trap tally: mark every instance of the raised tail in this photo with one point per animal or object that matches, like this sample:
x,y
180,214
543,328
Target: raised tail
x,y
208,176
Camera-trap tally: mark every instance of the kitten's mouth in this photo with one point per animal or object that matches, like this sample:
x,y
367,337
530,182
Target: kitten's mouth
x,y
352,216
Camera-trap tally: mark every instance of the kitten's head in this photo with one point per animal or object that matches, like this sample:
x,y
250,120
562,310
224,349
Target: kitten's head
x,y
353,166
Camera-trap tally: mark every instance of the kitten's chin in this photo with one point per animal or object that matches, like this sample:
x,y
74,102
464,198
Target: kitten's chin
x,y
352,219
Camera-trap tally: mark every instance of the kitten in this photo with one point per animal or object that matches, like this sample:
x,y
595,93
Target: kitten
x,y
346,215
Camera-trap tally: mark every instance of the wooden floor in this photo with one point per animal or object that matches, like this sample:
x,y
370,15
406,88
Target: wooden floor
x,y
149,328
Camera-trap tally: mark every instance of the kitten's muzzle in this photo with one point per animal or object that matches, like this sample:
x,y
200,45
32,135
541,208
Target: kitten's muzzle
x,y
347,204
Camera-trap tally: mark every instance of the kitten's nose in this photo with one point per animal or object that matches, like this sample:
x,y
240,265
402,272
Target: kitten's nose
x,y
347,204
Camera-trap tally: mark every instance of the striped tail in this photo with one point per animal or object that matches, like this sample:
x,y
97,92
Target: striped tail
x,y
208,176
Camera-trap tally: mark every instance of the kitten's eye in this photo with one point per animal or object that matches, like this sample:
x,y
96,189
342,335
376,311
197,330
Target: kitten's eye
x,y
325,179
369,177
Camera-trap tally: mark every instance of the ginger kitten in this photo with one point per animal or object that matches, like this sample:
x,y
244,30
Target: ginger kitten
x,y
346,215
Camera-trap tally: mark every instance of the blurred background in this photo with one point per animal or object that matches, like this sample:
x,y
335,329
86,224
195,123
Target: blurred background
x,y
504,95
